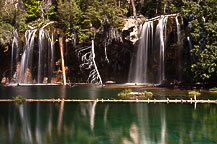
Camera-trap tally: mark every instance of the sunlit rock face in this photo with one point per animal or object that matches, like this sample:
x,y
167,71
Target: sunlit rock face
x,y
9,2
132,25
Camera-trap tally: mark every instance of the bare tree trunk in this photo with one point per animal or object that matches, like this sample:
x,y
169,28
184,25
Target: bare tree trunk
x,y
62,60
134,8
119,3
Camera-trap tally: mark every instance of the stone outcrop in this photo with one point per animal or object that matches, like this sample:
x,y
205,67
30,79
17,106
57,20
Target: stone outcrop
x,y
132,25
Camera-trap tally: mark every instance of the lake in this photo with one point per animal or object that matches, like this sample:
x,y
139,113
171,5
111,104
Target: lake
x,y
104,123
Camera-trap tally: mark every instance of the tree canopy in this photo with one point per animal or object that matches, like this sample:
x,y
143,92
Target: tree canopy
x,y
202,29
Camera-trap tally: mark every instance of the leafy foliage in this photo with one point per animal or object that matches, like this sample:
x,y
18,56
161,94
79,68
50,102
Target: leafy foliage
x,y
214,89
125,92
151,8
39,9
86,17
202,29
12,16
19,99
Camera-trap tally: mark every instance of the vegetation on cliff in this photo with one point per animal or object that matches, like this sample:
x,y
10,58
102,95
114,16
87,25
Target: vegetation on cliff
x,y
202,30
83,19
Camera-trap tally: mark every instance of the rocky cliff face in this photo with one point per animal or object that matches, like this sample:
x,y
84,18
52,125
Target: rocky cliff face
x,y
132,27
113,66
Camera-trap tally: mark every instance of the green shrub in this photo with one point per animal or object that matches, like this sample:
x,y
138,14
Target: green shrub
x,y
125,92
129,92
19,99
147,93
213,89
194,93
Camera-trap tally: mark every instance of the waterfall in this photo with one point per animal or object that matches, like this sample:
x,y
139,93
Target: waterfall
x,y
180,46
178,30
148,64
15,46
24,75
189,42
52,58
40,55
45,66
160,42
138,71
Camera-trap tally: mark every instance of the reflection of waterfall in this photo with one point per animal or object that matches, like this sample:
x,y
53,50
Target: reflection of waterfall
x,y
145,122
38,133
92,114
126,123
11,123
45,57
143,119
26,127
163,125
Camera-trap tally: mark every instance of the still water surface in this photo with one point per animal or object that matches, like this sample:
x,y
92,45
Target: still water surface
x,y
102,123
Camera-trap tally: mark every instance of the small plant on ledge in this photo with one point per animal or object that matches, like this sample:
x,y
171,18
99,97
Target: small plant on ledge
x,y
19,99
194,93
129,92
213,89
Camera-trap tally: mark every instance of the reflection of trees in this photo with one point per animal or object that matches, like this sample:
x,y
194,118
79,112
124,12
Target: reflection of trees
x,y
108,123
205,118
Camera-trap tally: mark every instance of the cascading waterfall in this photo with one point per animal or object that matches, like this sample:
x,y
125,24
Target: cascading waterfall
x,y
148,66
45,50
138,71
24,75
160,40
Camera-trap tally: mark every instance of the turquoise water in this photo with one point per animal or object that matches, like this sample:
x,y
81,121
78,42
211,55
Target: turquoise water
x,y
84,92
102,123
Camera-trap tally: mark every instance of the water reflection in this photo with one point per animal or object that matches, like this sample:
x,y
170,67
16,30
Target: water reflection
x,y
61,109
107,123
91,106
